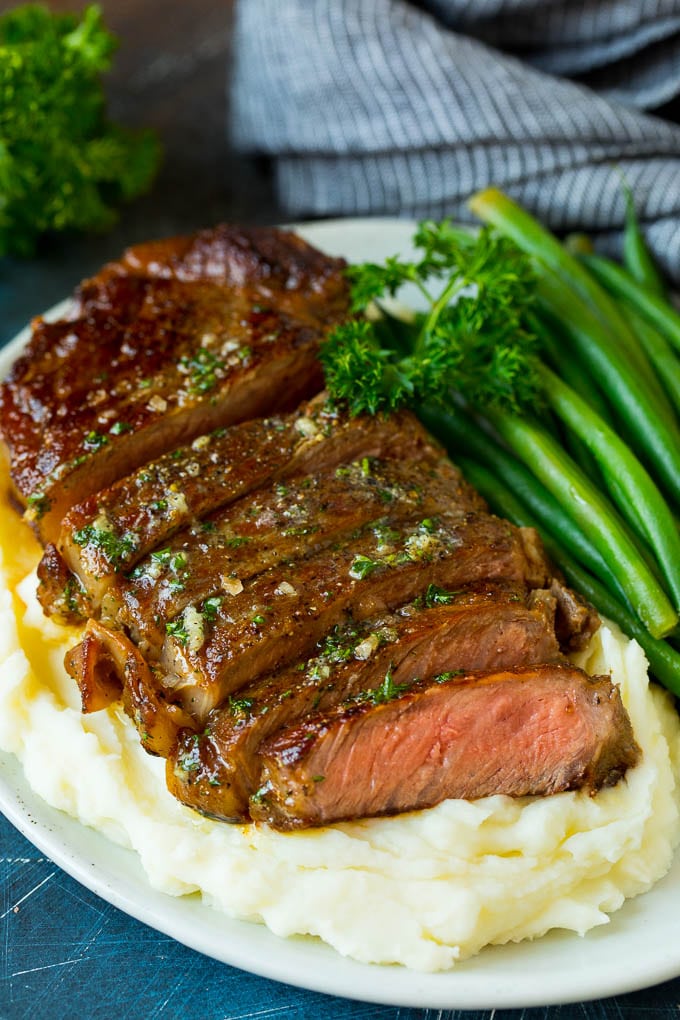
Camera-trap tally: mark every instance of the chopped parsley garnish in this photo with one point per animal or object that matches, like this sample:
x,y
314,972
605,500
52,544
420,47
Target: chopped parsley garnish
x,y
119,427
72,589
167,558
39,504
300,530
237,542
94,440
203,369
384,533
113,548
387,691
240,706
211,607
363,566
338,646
435,596
261,794
177,629
441,678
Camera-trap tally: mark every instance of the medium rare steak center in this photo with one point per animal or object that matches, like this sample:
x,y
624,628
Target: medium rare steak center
x,y
312,616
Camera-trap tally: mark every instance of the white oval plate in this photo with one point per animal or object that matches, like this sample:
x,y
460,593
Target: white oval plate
x,y
639,947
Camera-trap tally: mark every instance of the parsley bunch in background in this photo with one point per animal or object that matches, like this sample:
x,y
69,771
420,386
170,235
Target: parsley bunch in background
x,y
63,164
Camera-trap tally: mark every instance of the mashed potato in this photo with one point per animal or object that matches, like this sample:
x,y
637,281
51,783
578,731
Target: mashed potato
x,y
424,890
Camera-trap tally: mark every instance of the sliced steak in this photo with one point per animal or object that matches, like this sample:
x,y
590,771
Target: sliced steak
x,y
487,627
159,353
60,592
114,529
214,649
533,730
279,525
283,612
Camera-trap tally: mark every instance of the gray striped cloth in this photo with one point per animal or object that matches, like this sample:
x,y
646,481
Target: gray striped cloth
x,y
379,107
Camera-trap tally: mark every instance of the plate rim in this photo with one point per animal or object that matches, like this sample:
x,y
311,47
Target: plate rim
x,y
466,986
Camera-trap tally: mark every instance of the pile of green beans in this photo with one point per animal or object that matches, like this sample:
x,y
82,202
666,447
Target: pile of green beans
x,y
597,469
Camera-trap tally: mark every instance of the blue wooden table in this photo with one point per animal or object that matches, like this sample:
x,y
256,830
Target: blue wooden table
x,y
67,955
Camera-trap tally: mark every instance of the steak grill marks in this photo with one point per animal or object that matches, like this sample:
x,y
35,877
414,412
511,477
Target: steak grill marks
x,y
311,617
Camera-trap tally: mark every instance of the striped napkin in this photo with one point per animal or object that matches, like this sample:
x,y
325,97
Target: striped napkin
x,y
378,107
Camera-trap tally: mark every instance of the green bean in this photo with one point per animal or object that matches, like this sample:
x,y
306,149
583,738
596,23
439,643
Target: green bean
x,y
547,328
651,423
660,353
496,208
656,310
637,256
664,660
594,514
633,490
461,434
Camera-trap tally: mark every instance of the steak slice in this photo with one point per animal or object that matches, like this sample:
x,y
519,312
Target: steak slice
x,y
157,353
279,525
110,532
213,650
282,613
487,627
528,731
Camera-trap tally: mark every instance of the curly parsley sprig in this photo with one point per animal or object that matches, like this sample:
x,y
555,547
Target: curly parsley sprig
x,y
473,337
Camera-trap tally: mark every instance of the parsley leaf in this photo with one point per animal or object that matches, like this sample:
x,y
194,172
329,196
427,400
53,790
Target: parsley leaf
x,y
387,691
473,337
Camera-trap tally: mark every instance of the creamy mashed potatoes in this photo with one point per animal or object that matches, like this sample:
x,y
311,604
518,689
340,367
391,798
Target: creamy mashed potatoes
x,y
424,890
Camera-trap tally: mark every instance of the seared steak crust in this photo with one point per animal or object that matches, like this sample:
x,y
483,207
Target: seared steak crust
x,y
486,626
175,340
216,648
532,730
277,525
282,613
111,531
